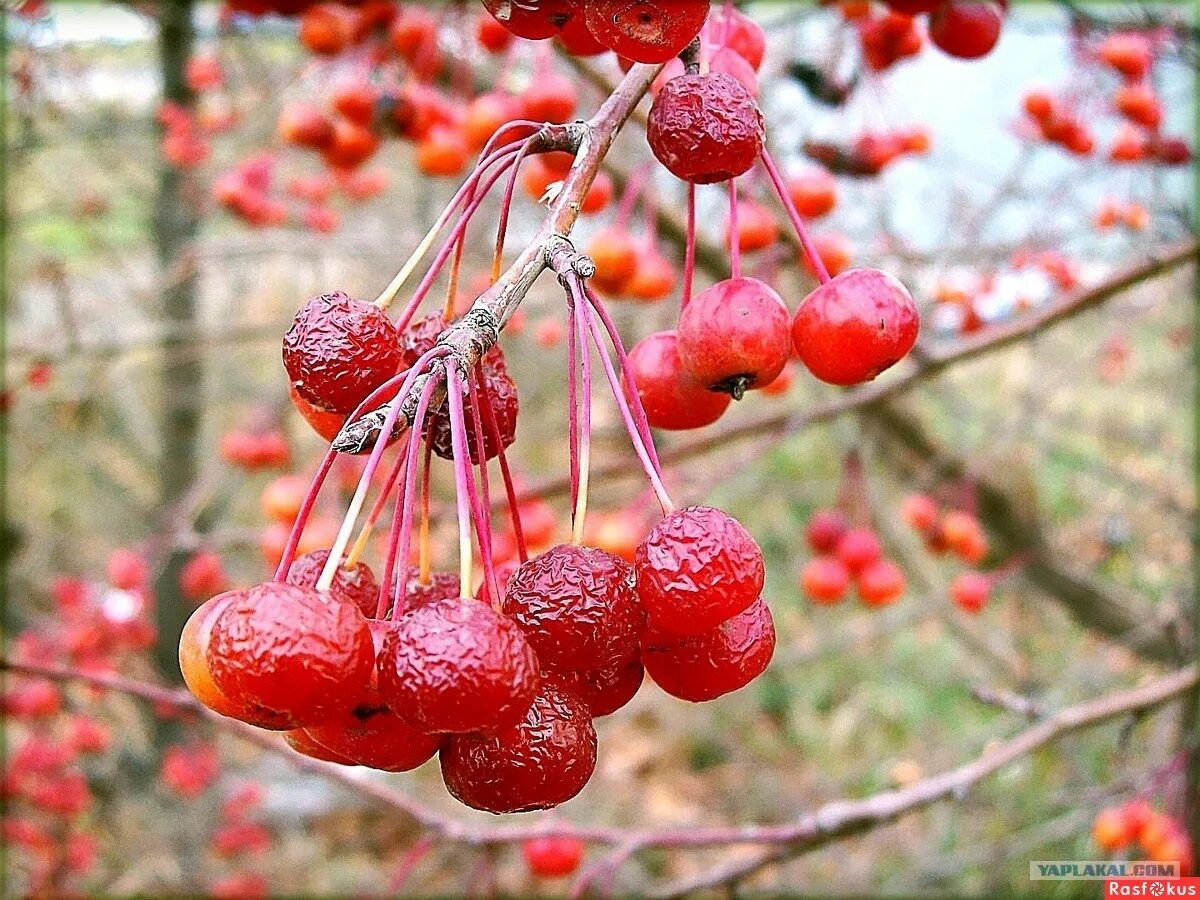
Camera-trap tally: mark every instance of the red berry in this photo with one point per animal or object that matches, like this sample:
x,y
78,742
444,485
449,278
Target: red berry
x,y
356,586
880,583
533,21
491,35
647,31
705,128
300,741
127,569
607,690
757,227
375,737
290,651
327,28
825,580
733,337
673,399
441,586
551,98
697,568
716,662
542,761
814,193
855,326
653,278
970,591
825,529
456,666
578,609
858,548
919,511
1128,53
577,40
552,856
730,27
338,350
967,29
202,575
616,257
194,642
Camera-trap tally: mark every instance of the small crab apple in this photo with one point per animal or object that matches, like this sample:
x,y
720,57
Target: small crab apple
x,y
202,575
577,40
326,424
327,28
1128,53
532,21
455,666
966,29
543,760
491,35
825,529
300,741
551,98
438,586
618,532
1112,831
351,145
355,99
193,662
705,128
127,569
616,257
835,251
646,31
356,586
855,326
290,651
553,856
880,583
858,548
825,580
715,662
1138,103
485,114
919,511
338,350
757,228
672,398
731,28
653,279
729,63
813,192
733,337
443,152
578,609
304,125
697,568
606,690
282,498
970,591
375,736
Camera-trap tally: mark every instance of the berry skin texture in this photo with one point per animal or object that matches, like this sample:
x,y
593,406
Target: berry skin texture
x,y
825,580
881,583
697,568
608,690
455,666
733,337
646,31
356,586
705,128
552,856
375,737
542,761
855,326
442,586
338,350
532,21
290,652
578,609
672,398
966,29
716,662
326,424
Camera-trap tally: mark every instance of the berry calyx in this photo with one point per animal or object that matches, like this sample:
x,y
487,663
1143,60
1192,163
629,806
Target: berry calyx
x,y
715,662
705,128
733,337
338,350
697,568
855,326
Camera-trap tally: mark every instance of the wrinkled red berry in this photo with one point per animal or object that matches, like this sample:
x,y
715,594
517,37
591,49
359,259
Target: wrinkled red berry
x,y
356,586
733,337
338,350
285,650
672,398
606,690
855,326
647,31
705,128
375,737
441,586
697,568
542,761
455,666
716,662
578,608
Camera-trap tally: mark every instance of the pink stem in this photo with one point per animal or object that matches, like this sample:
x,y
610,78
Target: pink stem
x,y
514,510
306,508
483,508
810,250
466,497
735,241
689,255
633,188
573,399
506,202
389,484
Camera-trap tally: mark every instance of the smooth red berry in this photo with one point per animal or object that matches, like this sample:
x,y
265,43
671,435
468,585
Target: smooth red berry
x,y
715,662
202,575
919,511
697,568
375,737
858,548
356,586
813,192
825,529
301,741
825,580
542,761
970,591
578,609
454,666
880,583
705,128
855,326
647,31
552,856
194,641
733,337
731,28
967,29
672,398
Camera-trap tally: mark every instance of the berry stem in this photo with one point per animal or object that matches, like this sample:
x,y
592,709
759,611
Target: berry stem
x,y
364,534
425,563
514,510
306,508
810,250
466,499
581,322
689,253
506,207
483,504
735,242
573,399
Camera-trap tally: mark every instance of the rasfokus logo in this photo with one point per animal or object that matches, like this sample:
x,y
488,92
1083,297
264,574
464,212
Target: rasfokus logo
x,y
1153,887
1099,870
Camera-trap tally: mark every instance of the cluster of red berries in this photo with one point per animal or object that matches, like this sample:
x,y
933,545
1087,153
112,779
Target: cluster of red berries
x,y
965,29
1161,837
848,554
955,532
256,448
870,152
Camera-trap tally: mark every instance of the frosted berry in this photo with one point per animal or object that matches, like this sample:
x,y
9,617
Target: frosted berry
x,y
697,568
855,326
715,662
356,586
578,608
338,350
825,580
705,128
455,666
542,761
646,31
733,337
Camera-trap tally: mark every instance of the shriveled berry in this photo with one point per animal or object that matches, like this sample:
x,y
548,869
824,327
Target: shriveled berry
x,y
881,583
338,350
193,661
716,662
646,31
825,580
705,128
672,398
607,690
375,737
356,586
455,666
441,586
290,651
697,568
542,761
578,608
855,326
825,529
553,856
733,337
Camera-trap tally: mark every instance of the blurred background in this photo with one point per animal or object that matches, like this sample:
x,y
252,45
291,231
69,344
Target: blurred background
x,y
161,234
